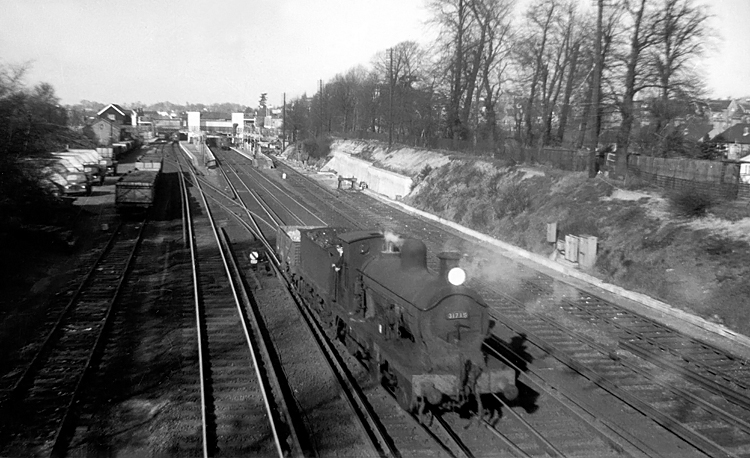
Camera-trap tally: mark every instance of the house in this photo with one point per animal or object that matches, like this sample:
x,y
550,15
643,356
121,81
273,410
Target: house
x,y
736,139
716,110
116,114
696,130
739,111
745,169
106,131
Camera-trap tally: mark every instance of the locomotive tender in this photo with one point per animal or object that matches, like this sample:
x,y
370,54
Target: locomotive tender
x,y
419,333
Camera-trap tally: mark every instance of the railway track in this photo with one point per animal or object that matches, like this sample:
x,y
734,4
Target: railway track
x,y
692,375
368,421
705,381
244,407
391,435
492,441
39,409
707,365
268,194
323,201
718,421
710,422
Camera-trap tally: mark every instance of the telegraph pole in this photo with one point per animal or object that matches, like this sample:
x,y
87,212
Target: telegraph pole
x,y
596,82
283,124
390,108
320,132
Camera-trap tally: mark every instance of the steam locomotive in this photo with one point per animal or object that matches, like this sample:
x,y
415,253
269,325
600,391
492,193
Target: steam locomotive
x,y
420,334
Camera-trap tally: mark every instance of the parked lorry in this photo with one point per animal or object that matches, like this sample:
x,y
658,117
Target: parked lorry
x,y
86,163
75,163
109,156
93,162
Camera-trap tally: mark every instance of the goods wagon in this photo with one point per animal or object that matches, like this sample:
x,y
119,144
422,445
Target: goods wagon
x,y
137,189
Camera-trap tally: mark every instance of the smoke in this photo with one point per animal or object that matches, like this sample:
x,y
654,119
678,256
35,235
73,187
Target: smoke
x,y
492,267
391,238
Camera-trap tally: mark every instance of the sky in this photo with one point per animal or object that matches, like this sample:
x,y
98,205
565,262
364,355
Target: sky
x,y
219,51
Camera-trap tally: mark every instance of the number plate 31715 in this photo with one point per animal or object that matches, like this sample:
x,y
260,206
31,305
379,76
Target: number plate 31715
x,y
458,315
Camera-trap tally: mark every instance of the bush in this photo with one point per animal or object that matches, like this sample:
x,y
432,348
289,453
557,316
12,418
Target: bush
x,y
317,148
421,176
691,203
512,201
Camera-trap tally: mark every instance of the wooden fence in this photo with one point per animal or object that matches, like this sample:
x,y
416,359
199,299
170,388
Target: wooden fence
x,y
720,179
561,158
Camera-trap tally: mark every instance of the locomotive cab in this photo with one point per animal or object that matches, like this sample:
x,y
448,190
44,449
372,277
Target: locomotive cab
x,y
357,247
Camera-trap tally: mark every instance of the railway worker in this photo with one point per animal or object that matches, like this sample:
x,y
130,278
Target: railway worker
x,y
337,265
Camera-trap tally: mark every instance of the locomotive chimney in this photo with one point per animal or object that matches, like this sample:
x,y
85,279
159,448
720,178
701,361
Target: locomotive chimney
x,y
391,242
448,260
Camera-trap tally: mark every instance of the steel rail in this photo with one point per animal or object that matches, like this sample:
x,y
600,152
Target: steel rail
x,y
262,351
65,424
454,445
196,302
281,190
696,439
66,311
354,396
239,206
610,433
344,215
233,198
368,420
267,208
264,388
548,447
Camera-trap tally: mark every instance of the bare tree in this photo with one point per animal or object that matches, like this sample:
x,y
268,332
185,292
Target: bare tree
x,y
563,50
680,30
401,68
493,16
637,75
574,79
608,17
457,30
342,99
532,54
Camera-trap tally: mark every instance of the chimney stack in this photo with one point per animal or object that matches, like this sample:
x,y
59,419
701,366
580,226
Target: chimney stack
x,y
448,260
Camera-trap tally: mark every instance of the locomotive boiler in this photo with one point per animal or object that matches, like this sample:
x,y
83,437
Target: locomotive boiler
x,y
419,332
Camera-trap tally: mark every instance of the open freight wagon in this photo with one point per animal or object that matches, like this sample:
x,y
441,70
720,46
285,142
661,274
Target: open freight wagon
x,y
137,189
